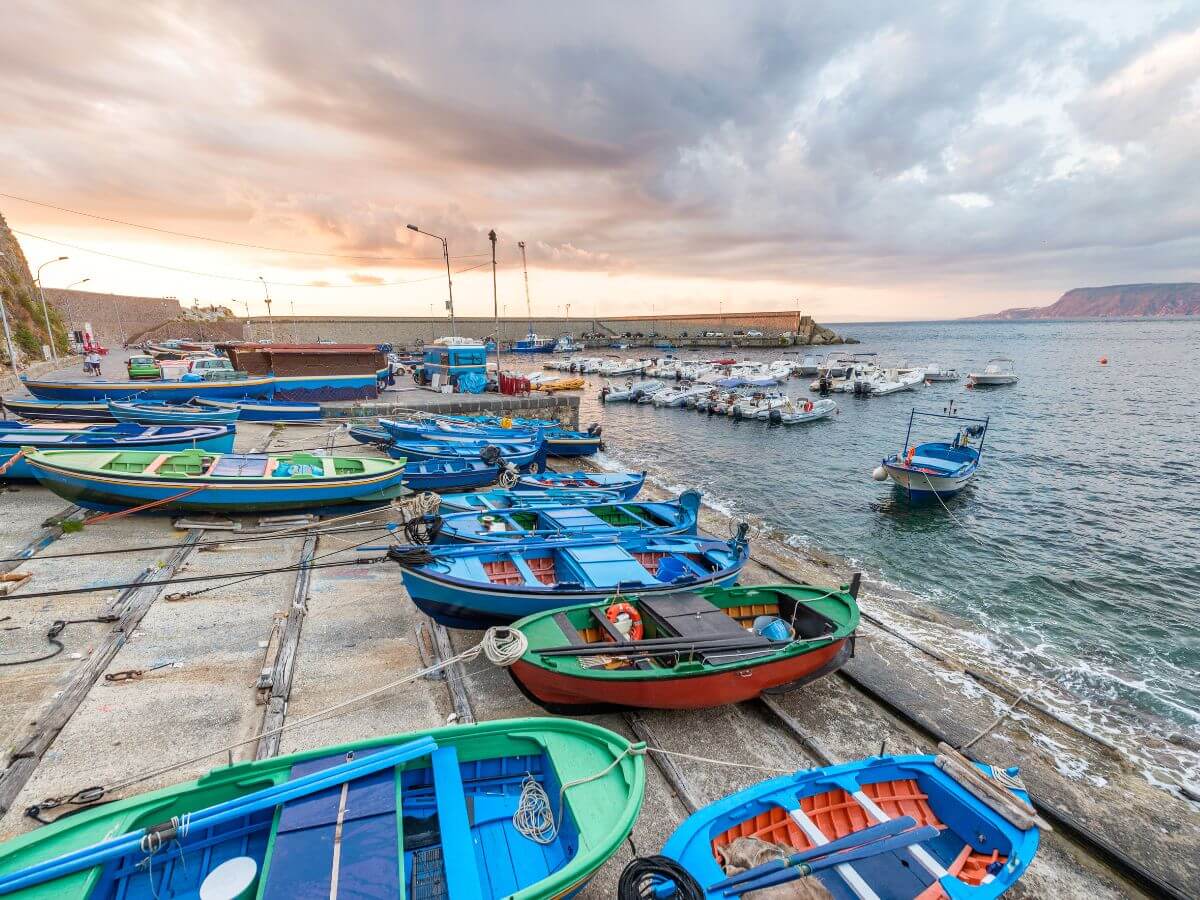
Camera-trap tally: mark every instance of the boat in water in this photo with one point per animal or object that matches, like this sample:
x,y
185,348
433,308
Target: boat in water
x,y
799,412
406,815
626,484
169,413
692,650
936,468
198,481
910,827
266,410
545,520
937,372
159,438
632,392
998,371
531,343
476,586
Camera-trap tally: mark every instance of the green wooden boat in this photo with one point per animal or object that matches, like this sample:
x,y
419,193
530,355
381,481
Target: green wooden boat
x,y
199,481
697,649
375,818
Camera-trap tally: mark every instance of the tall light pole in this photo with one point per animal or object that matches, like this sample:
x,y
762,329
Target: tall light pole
x,y
528,305
70,305
45,310
267,291
495,304
449,282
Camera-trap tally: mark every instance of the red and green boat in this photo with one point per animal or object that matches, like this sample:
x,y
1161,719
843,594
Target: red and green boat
x,y
690,650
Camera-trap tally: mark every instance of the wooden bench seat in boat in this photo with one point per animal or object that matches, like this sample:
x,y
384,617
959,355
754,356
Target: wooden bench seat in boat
x,y
615,633
244,465
574,518
608,564
690,615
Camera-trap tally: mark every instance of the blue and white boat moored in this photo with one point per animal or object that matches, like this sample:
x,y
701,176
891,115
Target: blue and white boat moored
x,y
479,585
936,468
501,498
627,484
169,413
266,410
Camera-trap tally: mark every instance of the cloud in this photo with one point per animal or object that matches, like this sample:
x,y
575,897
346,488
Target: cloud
x,y
885,145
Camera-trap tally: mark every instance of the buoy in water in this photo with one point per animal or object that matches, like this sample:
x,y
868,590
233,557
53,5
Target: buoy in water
x,y
880,473
1104,360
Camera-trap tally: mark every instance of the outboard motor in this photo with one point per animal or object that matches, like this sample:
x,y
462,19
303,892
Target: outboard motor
x,y
490,455
603,393
742,536
775,417
594,429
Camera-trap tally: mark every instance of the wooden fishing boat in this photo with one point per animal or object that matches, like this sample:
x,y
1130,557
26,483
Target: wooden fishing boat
x,y
428,814
498,526
627,484
449,474
709,647
519,455
500,499
58,410
475,586
266,410
935,468
157,438
902,827
169,413
213,482
229,388
559,441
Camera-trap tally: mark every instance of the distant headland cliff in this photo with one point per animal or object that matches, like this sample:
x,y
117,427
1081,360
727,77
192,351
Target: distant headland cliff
x,y
1114,301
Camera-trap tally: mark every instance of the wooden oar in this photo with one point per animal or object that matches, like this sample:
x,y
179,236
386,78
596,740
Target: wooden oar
x,y
854,839
874,848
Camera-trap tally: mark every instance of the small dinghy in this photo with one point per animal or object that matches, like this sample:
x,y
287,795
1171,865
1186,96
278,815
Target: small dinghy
x,y
196,481
449,474
632,392
627,484
127,436
501,499
476,586
266,410
685,651
935,468
400,816
498,526
882,828
169,414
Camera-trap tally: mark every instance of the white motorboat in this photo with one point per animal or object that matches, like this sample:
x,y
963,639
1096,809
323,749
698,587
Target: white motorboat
x,y
799,412
750,407
936,372
892,381
807,367
631,393
998,371
616,369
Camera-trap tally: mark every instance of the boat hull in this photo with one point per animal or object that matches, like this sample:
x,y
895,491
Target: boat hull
x,y
698,691
456,605
108,493
919,484
627,485
219,439
50,411
981,380
448,475
326,388
171,415
166,391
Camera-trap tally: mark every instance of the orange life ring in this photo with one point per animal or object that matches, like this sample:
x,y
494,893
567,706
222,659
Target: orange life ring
x,y
613,613
908,458
808,406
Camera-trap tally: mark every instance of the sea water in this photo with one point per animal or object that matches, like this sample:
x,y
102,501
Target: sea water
x,y
1074,555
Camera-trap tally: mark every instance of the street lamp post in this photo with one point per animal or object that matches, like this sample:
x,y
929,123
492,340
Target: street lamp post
x,y
495,304
449,282
45,310
267,291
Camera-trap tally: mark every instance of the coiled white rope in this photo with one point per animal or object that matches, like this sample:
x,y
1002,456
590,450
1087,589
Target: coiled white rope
x,y
503,646
533,817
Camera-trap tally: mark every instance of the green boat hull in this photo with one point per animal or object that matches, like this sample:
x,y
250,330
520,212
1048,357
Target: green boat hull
x,y
599,814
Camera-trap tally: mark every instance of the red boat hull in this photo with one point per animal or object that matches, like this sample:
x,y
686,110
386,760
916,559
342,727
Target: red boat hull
x,y
685,692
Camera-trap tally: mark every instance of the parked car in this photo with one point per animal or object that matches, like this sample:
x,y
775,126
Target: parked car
x,y
143,367
754,334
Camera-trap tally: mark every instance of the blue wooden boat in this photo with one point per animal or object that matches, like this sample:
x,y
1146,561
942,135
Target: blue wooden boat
x,y
498,526
423,815
151,390
479,585
559,441
160,438
169,413
531,343
501,498
892,827
936,468
265,410
513,421
627,484
196,481
58,410
519,455
449,474
409,431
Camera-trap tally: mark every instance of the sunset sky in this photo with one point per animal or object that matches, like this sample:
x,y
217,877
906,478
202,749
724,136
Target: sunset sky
x,y
860,161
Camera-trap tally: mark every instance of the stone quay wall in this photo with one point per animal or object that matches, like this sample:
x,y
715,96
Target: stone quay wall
x,y
114,317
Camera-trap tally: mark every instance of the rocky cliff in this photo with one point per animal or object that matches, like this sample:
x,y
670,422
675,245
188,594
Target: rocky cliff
x,y
1115,301
21,303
